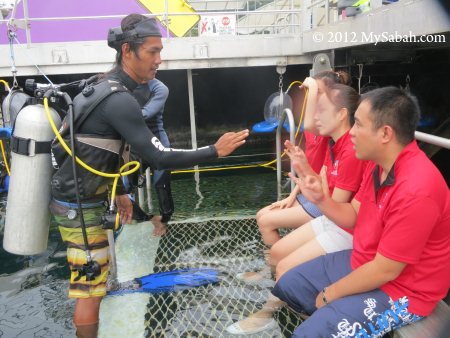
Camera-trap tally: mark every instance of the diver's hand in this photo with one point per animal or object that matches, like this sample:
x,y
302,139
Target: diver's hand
x,y
228,142
124,208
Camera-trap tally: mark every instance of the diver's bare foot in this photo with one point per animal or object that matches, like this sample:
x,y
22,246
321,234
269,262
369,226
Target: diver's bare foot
x,y
160,227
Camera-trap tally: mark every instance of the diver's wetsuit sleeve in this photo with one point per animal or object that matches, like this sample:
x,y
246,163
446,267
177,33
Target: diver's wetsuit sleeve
x,y
124,115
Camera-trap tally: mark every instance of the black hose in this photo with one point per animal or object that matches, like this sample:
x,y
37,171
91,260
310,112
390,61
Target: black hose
x,y
69,103
92,268
75,174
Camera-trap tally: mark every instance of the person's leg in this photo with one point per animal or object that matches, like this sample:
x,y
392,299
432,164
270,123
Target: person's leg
x,y
291,242
300,286
270,222
271,214
262,212
161,183
254,277
316,238
263,319
88,293
86,316
303,254
370,314
165,200
258,321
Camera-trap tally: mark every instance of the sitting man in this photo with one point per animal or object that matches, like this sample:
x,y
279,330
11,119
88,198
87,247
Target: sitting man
x,y
399,267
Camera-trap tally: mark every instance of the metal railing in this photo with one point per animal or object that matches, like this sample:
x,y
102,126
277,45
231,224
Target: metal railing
x,y
251,17
420,136
433,139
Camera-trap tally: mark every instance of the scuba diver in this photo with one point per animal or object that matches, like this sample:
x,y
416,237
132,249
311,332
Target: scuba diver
x,y
107,122
152,97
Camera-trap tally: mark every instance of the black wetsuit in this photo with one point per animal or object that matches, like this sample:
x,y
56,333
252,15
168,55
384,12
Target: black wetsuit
x,y
117,117
120,116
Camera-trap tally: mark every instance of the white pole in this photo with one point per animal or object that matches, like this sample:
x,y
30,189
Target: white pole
x,y
192,109
148,184
432,139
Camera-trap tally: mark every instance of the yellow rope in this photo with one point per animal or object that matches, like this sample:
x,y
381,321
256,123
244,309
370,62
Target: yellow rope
x,y
5,84
1,141
4,158
264,165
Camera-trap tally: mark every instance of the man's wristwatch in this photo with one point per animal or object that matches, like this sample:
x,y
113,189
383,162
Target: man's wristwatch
x,y
324,298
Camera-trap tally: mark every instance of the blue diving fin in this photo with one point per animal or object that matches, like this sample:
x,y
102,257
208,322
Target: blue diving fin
x,y
169,281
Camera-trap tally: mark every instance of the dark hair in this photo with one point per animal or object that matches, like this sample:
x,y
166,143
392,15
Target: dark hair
x,y
337,77
342,96
396,108
127,24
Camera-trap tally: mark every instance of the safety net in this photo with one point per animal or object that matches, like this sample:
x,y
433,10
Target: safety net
x,y
229,246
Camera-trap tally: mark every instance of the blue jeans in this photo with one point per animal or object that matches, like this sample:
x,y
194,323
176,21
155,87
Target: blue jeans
x,y
369,314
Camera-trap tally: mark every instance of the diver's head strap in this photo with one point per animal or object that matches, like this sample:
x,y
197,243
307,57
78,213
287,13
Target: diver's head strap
x,y
145,28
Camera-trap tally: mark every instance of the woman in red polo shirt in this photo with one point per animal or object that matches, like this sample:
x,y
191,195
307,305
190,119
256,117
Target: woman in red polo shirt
x,y
343,172
328,118
334,106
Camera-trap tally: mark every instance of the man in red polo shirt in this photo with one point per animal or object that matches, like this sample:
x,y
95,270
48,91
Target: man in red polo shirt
x,y
399,267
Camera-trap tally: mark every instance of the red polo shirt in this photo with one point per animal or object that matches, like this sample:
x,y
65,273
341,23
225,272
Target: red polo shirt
x,y
407,219
315,150
344,170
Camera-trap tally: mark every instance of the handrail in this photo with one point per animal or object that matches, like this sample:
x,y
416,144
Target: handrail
x,y
428,138
248,21
121,16
432,139
286,112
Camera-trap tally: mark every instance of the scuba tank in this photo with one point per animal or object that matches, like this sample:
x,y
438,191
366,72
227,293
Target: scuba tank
x,y
12,104
27,214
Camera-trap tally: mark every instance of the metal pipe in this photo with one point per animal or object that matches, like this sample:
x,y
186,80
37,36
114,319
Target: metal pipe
x,y
192,109
287,112
192,116
141,197
148,184
166,17
27,26
113,261
121,16
432,139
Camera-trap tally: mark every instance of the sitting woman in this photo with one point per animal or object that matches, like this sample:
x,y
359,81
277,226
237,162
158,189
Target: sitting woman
x,y
316,235
295,210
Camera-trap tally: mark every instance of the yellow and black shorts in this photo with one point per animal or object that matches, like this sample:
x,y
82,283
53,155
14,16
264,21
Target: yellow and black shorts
x,y
98,244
